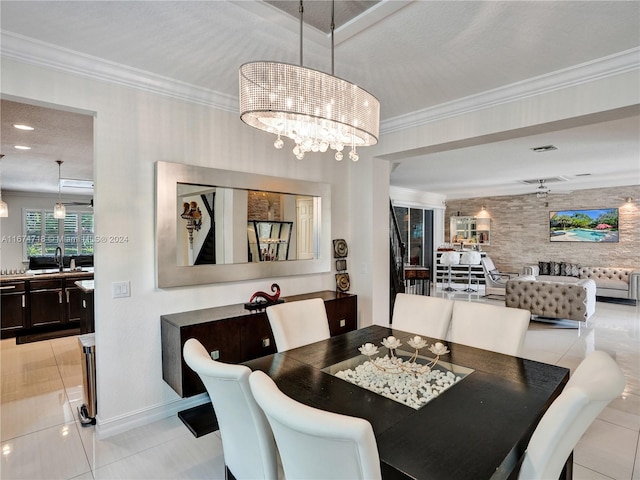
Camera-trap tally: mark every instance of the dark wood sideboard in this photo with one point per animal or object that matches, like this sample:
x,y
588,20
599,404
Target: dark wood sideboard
x,y
236,335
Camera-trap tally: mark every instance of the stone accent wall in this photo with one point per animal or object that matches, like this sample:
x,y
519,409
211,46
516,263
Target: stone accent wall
x,y
263,206
520,228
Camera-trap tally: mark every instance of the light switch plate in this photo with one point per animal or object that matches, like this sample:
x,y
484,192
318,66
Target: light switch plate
x,y
120,289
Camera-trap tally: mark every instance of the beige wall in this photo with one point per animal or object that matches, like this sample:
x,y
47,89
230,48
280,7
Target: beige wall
x,y
520,228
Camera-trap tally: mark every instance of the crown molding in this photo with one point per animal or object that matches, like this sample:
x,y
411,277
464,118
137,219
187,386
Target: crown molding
x,y
42,54
34,52
612,65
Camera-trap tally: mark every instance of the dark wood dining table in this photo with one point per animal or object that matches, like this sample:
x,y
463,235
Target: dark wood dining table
x,y
477,429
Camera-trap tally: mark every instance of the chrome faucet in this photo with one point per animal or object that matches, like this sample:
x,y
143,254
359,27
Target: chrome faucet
x,y
58,258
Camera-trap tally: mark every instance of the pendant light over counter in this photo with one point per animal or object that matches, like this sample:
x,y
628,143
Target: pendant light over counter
x,y
59,211
4,208
316,110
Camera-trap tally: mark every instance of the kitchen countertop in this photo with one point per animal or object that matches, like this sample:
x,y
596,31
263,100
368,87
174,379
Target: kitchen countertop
x,y
47,274
85,285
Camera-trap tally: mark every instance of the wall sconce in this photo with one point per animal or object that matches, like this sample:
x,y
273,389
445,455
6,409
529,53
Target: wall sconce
x,y
193,216
629,199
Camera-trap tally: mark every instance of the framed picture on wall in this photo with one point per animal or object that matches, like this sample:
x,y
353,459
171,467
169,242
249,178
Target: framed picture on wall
x,y
595,225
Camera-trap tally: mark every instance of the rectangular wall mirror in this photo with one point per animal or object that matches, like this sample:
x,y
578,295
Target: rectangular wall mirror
x,y
222,226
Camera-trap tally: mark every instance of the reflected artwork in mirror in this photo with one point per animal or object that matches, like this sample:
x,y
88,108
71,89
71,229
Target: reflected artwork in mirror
x,y
219,225
222,226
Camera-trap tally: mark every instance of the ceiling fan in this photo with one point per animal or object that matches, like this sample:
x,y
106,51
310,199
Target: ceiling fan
x,y
542,191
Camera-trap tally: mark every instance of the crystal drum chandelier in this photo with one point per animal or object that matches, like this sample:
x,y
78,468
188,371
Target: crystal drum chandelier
x,y
316,110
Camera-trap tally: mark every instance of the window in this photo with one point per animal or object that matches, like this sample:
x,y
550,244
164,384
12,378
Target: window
x,y
43,233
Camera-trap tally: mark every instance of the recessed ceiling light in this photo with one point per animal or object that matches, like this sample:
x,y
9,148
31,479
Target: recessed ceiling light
x,y
22,147
23,127
544,148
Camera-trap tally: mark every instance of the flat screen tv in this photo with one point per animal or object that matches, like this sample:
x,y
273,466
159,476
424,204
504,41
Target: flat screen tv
x,y
597,225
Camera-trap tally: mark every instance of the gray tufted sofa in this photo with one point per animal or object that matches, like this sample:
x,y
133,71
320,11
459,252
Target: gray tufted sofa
x,y
573,301
610,281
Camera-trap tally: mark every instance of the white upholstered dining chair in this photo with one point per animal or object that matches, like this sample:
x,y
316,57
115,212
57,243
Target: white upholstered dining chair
x,y
247,442
490,327
298,323
314,443
595,383
429,316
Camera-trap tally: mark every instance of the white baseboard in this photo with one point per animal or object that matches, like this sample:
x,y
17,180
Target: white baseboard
x,y
114,426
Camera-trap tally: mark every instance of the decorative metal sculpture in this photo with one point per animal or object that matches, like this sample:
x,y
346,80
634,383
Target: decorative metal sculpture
x,y
261,300
340,252
193,216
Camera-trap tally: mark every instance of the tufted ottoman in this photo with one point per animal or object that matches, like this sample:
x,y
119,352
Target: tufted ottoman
x,y
573,301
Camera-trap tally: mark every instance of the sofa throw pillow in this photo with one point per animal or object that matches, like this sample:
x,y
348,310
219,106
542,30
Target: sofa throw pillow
x,y
574,270
544,268
563,269
559,269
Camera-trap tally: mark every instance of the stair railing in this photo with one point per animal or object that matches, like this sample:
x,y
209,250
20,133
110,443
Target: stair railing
x,y
397,256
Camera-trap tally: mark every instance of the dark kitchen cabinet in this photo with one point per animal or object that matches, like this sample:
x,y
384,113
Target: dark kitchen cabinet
x,y
13,307
73,300
87,317
46,302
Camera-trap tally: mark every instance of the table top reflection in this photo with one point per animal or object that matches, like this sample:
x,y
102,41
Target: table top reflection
x,y
479,428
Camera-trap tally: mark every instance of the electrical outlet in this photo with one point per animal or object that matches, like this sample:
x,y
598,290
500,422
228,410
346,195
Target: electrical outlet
x,y
266,342
120,289
215,355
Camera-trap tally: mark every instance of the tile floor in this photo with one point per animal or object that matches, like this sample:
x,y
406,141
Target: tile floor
x,y
42,438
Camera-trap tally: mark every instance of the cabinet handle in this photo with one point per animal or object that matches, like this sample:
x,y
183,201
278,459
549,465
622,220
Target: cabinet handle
x,y
8,287
68,296
24,304
60,296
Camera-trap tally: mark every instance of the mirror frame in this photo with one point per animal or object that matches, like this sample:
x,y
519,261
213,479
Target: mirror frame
x,y
170,274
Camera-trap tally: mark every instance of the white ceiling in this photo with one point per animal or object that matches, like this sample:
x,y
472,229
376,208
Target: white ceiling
x,y
413,55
